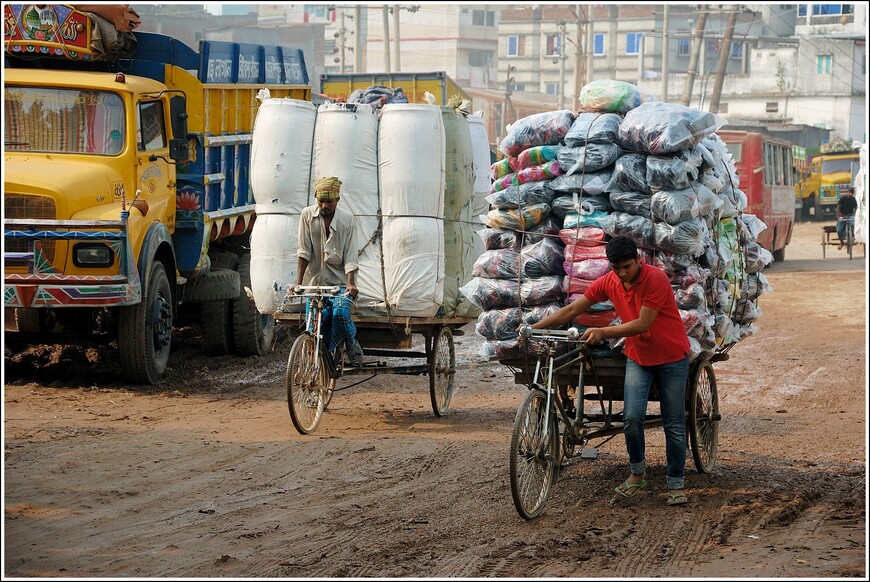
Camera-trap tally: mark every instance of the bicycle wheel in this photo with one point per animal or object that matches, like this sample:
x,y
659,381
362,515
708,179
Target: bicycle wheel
x,y
534,458
442,371
703,422
306,381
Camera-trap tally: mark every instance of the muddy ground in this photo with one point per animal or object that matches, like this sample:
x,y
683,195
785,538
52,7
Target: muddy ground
x,y
205,476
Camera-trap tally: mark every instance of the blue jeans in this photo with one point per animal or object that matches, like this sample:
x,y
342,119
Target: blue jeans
x,y
671,380
842,225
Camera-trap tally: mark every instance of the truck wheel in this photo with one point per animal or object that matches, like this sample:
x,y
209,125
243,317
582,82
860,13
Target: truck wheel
x,y
217,284
252,330
216,323
779,255
145,331
225,261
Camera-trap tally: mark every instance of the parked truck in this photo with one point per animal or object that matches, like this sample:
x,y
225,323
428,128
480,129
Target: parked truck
x,y
126,187
339,87
823,180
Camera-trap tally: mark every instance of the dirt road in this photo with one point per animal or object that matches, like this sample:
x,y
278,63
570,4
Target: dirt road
x,y
204,475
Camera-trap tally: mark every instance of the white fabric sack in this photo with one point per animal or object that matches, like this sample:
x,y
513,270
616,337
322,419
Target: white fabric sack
x,y
273,259
281,155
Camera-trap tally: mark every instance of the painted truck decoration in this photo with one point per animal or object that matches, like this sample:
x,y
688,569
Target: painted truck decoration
x,y
126,189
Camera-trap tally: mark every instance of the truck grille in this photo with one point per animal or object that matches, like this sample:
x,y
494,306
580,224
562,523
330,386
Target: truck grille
x,y
21,206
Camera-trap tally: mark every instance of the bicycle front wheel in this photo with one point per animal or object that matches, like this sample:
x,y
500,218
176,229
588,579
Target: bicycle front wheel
x,y
534,459
307,381
850,239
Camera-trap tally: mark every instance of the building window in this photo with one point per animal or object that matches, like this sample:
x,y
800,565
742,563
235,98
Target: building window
x,y
714,45
683,47
824,64
771,106
483,17
824,9
554,45
598,45
518,87
480,58
552,88
514,46
632,43
737,50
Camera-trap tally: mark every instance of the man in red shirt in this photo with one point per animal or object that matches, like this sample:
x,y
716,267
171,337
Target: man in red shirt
x,y
657,349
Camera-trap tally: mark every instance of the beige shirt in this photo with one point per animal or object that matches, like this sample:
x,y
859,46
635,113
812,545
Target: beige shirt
x,y
329,255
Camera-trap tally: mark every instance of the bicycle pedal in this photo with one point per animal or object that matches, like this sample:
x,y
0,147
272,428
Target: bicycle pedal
x,y
589,453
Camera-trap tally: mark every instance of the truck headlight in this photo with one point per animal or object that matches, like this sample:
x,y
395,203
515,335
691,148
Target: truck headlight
x,y
92,255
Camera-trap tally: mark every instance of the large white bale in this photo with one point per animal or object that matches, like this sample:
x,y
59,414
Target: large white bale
x,y
281,155
346,146
273,259
411,153
480,148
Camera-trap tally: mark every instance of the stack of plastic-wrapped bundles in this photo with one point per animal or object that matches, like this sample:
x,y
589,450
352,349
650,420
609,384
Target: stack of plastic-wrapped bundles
x,y
519,275
656,172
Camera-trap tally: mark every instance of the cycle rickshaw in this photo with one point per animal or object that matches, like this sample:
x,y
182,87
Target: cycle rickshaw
x,y
571,402
312,370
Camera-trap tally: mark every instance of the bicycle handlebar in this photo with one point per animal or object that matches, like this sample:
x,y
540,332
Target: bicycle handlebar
x,y
316,290
572,334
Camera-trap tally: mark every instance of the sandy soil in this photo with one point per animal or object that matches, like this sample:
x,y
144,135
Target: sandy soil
x,y
205,476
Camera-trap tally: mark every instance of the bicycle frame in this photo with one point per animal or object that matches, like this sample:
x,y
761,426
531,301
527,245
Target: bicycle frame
x,y
315,299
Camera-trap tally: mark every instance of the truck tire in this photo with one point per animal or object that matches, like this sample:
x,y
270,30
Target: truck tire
x,y
779,255
217,284
252,330
224,261
145,331
216,323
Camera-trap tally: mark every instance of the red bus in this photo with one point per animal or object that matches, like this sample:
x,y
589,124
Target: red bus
x,y
765,167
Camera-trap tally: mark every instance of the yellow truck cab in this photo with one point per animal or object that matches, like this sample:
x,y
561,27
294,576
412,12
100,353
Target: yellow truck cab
x,y
126,187
822,181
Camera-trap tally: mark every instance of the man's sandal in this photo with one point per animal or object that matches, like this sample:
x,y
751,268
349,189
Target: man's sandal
x,y
627,489
678,498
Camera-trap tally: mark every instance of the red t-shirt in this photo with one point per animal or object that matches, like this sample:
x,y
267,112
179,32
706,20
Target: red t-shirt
x,y
666,340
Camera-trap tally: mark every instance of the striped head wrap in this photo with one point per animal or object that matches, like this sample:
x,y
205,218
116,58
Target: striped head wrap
x,y
327,188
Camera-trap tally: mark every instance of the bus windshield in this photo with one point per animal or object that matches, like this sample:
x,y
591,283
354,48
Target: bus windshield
x,y
66,121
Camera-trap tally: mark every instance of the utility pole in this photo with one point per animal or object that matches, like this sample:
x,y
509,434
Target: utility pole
x,y
396,36
590,48
508,106
579,68
562,57
665,54
341,41
724,55
357,49
386,14
697,41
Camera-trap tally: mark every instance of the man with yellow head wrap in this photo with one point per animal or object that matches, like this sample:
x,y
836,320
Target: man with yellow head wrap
x,y
327,255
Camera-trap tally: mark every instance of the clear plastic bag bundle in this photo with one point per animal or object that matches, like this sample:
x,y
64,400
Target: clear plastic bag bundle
x,y
589,236
589,269
498,238
588,158
612,96
574,253
545,171
684,238
516,218
691,297
746,312
575,286
489,294
496,264
672,172
631,202
754,285
629,174
541,259
515,196
502,168
593,127
754,225
757,257
662,128
499,324
674,206
562,205
591,184
541,291
548,128
637,228
547,228
537,155
574,219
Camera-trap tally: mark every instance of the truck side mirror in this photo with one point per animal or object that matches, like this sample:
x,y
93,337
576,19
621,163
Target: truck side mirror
x,y
178,119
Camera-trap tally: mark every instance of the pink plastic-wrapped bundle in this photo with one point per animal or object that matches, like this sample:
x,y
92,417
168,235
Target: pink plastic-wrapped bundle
x,y
545,171
589,269
575,285
589,236
577,253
